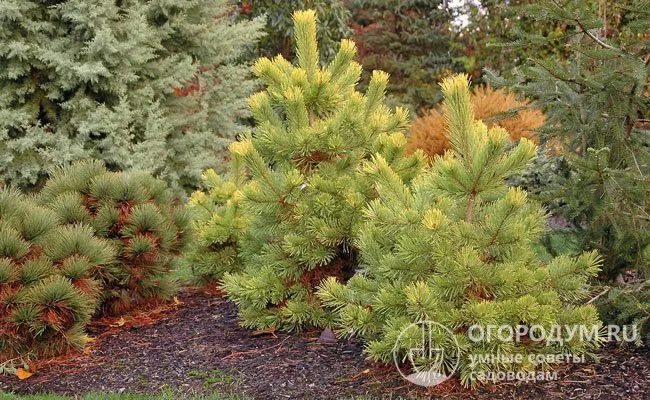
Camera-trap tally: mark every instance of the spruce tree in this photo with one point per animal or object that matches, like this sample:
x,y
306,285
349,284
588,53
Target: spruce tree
x,y
596,102
456,247
493,26
138,214
48,279
140,84
410,40
305,195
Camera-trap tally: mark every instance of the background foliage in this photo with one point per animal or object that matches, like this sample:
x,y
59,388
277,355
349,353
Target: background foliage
x,y
139,84
333,25
595,103
408,39
494,28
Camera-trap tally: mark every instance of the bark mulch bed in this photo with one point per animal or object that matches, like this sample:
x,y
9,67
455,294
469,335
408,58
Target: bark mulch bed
x,y
196,346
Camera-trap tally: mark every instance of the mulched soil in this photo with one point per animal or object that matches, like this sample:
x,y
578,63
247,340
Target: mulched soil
x,y
196,346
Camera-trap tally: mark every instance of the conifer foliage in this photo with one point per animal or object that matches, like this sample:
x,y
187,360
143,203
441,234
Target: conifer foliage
x,y
219,221
138,214
494,107
48,285
332,26
409,39
140,84
596,102
628,305
456,247
306,193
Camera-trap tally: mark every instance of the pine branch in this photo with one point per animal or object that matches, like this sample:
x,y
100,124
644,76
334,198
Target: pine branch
x,y
470,207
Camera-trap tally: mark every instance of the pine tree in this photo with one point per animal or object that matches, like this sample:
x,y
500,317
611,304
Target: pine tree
x,y
140,84
48,285
456,247
219,221
138,214
596,103
410,40
304,198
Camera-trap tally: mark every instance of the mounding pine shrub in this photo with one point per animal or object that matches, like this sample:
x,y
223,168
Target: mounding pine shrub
x,y
48,289
494,107
218,220
456,247
137,213
305,195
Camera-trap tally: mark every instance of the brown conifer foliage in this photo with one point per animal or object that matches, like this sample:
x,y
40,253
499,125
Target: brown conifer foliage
x,y
494,107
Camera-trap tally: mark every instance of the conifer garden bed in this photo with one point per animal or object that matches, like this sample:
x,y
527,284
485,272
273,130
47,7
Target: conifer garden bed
x,y
385,218
194,346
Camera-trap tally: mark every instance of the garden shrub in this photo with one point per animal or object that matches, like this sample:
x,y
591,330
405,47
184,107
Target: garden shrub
x,y
48,284
306,193
218,221
494,107
137,213
456,247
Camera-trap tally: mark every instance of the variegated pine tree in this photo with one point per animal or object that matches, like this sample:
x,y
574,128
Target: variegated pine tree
x,y
306,192
456,247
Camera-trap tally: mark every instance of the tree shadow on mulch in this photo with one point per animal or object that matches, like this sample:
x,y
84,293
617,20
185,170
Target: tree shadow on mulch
x,y
196,346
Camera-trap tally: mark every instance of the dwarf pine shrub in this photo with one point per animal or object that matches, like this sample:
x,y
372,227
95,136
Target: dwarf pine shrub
x,y
456,247
137,213
305,195
48,279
